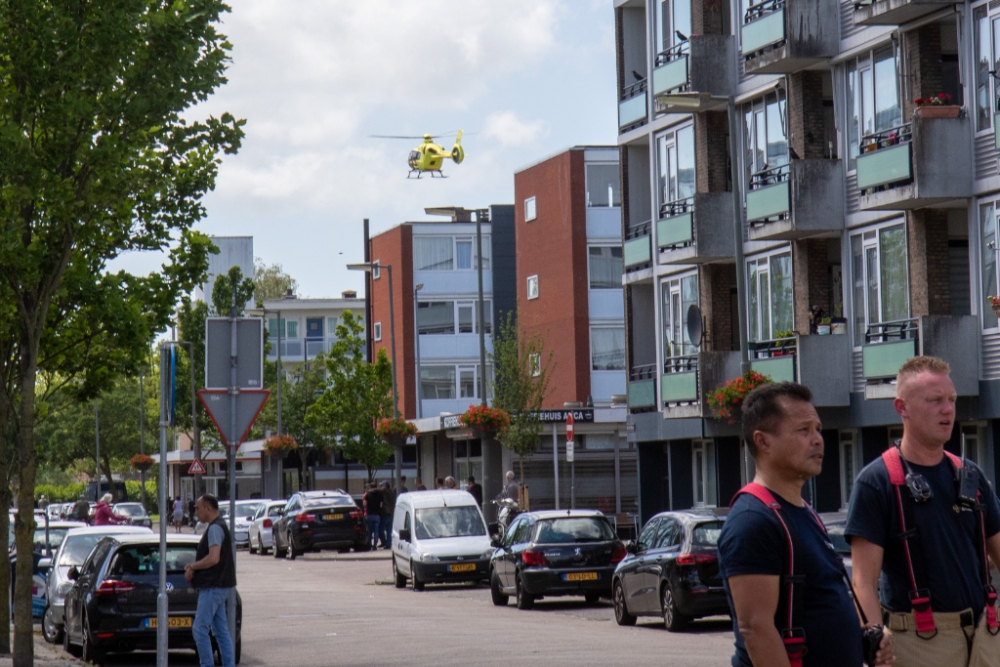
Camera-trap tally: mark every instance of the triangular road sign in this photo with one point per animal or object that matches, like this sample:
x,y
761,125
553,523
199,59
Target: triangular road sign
x,y
196,468
249,403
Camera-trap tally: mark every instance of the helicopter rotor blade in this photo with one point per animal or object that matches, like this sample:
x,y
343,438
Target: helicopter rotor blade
x,y
392,136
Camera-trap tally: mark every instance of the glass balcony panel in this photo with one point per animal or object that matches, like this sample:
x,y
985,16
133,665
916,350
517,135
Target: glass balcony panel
x,y
996,131
637,251
768,202
767,30
675,231
780,369
887,165
632,110
883,360
679,387
671,76
642,394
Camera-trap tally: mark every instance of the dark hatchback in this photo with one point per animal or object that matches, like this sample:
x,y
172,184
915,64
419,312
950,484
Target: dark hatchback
x,y
552,553
672,570
112,604
317,520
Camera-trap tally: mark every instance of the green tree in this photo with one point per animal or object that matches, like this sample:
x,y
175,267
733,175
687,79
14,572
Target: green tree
x,y
270,282
96,159
357,395
521,374
222,293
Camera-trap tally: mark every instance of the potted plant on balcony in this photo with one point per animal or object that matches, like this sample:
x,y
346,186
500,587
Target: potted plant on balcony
x,y
838,326
484,419
823,328
725,400
395,431
142,462
783,339
278,446
995,304
936,106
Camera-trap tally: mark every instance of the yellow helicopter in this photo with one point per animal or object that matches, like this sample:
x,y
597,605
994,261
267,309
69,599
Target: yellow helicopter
x,y
429,156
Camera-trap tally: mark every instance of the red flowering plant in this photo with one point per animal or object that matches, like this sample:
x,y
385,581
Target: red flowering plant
x,y
994,301
142,461
280,445
485,418
938,100
728,396
388,428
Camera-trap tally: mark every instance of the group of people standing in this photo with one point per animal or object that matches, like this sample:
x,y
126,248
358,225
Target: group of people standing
x,y
379,502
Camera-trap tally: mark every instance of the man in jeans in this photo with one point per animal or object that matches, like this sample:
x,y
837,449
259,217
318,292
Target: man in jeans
x,y
213,574
373,514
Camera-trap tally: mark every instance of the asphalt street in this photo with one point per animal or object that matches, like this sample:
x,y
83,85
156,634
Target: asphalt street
x,y
323,610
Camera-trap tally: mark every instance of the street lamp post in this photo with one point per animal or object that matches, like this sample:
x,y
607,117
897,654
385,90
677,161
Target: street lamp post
x,y
416,345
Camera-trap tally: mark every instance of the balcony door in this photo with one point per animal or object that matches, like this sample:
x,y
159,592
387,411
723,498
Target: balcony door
x,y
678,295
676,175
703,469
673,24
880,274
769,295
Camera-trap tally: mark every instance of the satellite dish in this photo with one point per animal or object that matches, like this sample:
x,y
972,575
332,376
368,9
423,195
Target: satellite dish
x,y
693,324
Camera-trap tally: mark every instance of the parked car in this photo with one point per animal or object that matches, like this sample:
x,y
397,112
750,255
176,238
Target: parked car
x,y
439,536
259,533
672,570
111,607
245,511
134,512
75,548
317,520
42,552
553,553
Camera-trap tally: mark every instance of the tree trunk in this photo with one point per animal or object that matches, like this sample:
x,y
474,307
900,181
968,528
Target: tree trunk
x,y
5,497
24,648
107,473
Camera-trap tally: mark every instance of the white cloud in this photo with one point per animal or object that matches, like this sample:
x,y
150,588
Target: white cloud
x,y
510,130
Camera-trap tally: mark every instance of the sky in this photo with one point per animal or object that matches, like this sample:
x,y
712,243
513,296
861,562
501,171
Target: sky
x,y
314,79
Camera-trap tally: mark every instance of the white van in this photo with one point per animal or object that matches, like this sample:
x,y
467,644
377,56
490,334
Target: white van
x,y
439,536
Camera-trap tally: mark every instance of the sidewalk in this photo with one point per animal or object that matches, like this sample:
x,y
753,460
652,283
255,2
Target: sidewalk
x,y
46,655
379,554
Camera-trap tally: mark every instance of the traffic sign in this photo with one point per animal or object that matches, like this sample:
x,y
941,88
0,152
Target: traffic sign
x,y
249,403
196,468
570,445
249,352
569,426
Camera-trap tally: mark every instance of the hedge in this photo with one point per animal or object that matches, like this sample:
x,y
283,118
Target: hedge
x,y
70,492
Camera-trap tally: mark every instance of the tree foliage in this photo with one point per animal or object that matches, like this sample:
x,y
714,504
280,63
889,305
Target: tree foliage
x,y
270,282
357,395
222,294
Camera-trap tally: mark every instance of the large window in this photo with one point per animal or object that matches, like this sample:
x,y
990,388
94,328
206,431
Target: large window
x,y
606,267
678,295
441,317
448,253
451,381
289,328
673,23
603,185
703,470
988,247
675,169
769,295
987,53
873,97
850,456
765,136
607,348
879,272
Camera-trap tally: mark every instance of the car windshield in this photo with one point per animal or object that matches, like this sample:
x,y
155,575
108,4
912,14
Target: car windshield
x,y
573,529
437,522
131,509
144,559
275,510
707,534
56,536
247,510
77,548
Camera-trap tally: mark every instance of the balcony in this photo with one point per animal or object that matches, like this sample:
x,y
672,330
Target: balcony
x,y
696,230
895,12
642,388
786,36
916,165
795,200
632,107
686,379
821,363
704,64
637,251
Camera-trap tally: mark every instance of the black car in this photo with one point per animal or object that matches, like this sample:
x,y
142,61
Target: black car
x,y
112,604
133,513
672,570
557,552
317,520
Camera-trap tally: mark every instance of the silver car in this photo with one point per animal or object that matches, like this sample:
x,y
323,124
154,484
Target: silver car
x,y
75,547
261,524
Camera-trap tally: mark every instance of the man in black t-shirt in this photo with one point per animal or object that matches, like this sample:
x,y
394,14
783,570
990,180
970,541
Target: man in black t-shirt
x,y
944,572
783,434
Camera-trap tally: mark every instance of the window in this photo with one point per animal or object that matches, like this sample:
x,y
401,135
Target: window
x,y
703,468
467,382
535,363
602,185
671,534
647,536
529,209
607,348
289,328
433,253
436,317
606,267
873,98
765,139
672,17
850,456
532,287
376,269
988,247
678,295
975,449
987,53
437,381
675,169
377,331
769,296
879,271
465,253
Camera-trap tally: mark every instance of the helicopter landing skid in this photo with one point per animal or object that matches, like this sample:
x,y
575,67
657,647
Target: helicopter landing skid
x,y
420,173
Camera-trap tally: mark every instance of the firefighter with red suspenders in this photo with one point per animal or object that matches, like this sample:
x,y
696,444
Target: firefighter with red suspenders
x,y
927,523
787,586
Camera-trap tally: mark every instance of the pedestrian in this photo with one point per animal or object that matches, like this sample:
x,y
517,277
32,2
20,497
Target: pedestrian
x,y
419,484
439,483
81,510
510,490
43,502
786,609
372,501
475,489
921,523
178,514
213,575
385,521
449,482
103,516
402,484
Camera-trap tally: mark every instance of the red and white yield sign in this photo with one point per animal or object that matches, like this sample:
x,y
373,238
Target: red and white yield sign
x,y
249,403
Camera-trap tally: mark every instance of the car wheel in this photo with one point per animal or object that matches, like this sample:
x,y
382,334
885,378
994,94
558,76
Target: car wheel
x,y
290,552
278,553
72,649
592,598
500,599
415,583
622,617
524,600
400,579
672,618
250,548
89,652
51,629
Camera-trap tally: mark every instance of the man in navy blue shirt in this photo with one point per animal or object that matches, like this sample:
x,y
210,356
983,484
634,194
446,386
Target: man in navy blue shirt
x,y
782,432
928,579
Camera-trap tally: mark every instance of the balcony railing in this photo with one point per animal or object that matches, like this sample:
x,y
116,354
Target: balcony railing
x,y
632,106
672,69
887,346
642,387
675,229
637,250
763,26
775,358
885,158
673,53
679,382
769,197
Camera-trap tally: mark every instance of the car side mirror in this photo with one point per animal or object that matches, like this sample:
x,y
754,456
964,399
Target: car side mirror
x,y
404,534
630,547
45,564
73,573
495,541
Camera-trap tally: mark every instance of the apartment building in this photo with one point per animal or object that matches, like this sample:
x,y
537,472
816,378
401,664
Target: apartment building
x,y
299,329
854,201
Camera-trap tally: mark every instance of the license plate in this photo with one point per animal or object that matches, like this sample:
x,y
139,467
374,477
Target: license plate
x,y
172,622
333,517
580,576
465,567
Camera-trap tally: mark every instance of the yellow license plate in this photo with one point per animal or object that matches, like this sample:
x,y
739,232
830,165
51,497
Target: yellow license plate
x,y
333,517
465,567
172,622
580,576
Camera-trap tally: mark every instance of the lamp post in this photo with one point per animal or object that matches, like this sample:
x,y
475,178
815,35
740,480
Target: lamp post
x,y
416,345
195,434
369,267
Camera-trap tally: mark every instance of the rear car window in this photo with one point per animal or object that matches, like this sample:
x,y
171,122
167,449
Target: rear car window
x,y
145,559
328,502
573,529
707,534
437,522
130,510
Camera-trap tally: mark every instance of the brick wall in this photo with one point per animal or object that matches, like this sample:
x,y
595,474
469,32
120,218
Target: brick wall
x,y
394,247
927,246
708,17
716,283
811,280
711,140
923,63
806,132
